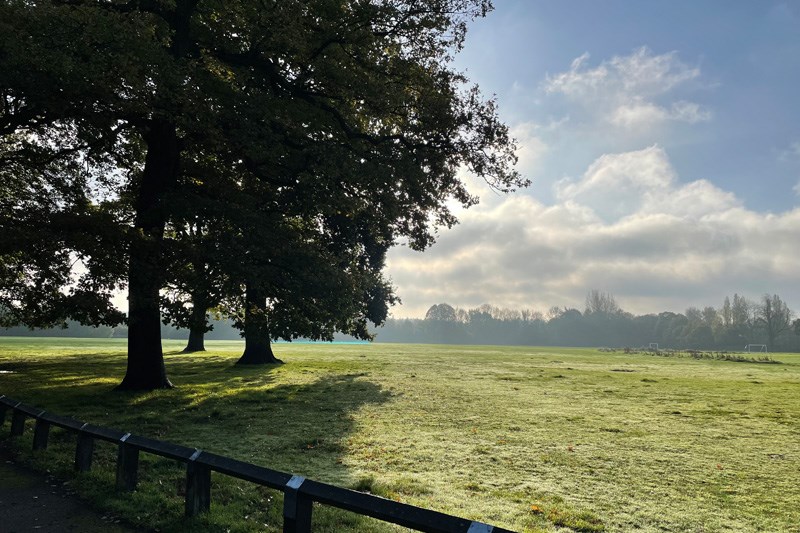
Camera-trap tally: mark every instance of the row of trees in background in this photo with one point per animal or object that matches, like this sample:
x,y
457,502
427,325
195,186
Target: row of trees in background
x,y
737,322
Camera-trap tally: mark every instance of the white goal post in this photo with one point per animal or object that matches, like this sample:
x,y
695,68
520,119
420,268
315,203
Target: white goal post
x,y
750,348
653,346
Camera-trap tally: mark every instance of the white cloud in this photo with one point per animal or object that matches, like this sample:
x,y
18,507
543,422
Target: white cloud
x,y
628,225
578,81
638,114
531,148
627,91
616,185
796,188
645,73
640,74
689,112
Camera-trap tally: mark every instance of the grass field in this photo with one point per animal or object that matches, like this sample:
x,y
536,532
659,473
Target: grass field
x,y
533,439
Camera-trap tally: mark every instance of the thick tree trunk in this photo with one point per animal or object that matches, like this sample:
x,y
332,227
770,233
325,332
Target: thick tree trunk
x,y
197,326
196,341
145,358
257,348
145,277
198,321
258,351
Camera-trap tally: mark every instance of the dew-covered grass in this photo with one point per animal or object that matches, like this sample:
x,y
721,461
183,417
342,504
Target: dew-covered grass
x,y
532,439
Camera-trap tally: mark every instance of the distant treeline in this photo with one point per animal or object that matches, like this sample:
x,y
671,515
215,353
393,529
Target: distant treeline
x,y
223,330
737,323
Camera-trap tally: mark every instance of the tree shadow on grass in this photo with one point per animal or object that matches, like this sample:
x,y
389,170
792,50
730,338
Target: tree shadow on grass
x,y
309,408
294,420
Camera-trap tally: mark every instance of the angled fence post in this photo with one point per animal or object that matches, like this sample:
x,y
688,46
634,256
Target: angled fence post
x,y
84,450
296,508
40,433
17,421
198,486
127,465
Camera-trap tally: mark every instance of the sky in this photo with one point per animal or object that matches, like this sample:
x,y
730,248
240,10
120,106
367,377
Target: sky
x,y
663,144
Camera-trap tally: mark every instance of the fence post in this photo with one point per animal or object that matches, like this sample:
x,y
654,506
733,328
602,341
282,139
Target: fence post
x,y
198,486
84,450
17,422
296,508
40,433
127,465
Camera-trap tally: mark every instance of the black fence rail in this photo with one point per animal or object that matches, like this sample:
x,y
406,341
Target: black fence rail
x,y
298,492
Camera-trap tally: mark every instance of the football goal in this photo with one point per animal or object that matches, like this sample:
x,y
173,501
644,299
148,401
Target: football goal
x,y
755,348
653,346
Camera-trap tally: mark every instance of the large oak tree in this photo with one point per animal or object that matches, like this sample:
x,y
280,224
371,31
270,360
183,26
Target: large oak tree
x,y
329,129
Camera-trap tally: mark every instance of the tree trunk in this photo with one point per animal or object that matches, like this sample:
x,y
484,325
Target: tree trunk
x,y
196,341
257,348
197,326
257,351
145,358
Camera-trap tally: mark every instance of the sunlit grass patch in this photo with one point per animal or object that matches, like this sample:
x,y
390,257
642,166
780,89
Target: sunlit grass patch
x,y
617,442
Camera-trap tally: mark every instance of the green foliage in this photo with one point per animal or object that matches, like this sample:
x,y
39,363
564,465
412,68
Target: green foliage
x,y
59,153
619,442
215,145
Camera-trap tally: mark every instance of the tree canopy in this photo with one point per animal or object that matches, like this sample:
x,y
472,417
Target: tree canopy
x,y
299,139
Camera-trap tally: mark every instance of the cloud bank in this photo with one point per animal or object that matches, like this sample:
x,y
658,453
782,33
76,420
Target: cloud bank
x,y
628,225
625,222
630,92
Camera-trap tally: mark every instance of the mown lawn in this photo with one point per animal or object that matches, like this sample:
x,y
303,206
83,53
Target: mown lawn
x,y
533,439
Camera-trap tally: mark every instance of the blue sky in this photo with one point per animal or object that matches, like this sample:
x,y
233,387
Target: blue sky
x,y
663,141
748,54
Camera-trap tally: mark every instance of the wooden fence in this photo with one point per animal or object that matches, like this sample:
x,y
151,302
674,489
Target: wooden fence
x,y
298,492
